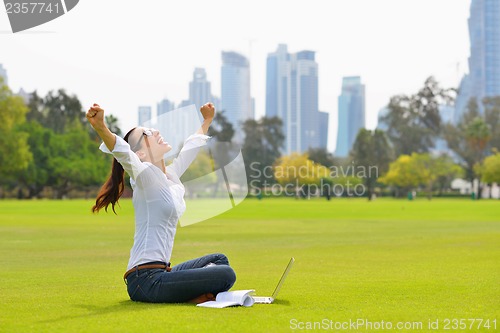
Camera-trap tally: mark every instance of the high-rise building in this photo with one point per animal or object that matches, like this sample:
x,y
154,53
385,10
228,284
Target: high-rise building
x,y
199,89
3,75
236,100
351,114
323,129
217,103
292,95
144,113
483,79
164,106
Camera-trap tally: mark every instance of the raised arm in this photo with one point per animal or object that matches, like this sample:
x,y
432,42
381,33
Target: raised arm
x,y
208,112
95,116
116,146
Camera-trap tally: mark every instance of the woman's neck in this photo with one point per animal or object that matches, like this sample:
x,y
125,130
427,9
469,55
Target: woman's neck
x,y
161,164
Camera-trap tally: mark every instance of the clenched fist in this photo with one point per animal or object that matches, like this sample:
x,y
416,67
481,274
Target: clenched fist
x,y
208,111
95,115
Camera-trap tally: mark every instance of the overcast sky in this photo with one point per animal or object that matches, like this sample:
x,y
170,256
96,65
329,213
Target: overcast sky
x,y
123,54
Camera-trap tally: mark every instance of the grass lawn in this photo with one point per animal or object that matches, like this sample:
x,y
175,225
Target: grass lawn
x,y
384,262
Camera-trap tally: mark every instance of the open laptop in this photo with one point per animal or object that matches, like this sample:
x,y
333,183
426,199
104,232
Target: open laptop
x,y
269,300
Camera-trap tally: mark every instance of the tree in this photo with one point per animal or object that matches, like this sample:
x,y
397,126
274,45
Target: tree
x,y
37,174
14,150
371,151
65,154
409,172
60,110
434,169
222,148
264,139
492,118
446,171
113,124
413,121
75,161
221,130
321,156
54,148
490,169
469,139
299,172
36,106
402,175
478,135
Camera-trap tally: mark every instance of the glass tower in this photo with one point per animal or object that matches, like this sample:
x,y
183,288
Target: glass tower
x,y
144,113
351,114
292,95
199,89
483,79
235,90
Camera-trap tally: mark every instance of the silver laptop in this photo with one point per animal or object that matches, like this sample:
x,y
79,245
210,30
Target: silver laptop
x,y
269,300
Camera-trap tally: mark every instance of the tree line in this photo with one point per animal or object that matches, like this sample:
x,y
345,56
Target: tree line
x,y
48,149
402,153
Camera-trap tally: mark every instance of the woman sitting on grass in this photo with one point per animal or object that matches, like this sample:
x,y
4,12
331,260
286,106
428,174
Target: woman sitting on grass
x,y
158,203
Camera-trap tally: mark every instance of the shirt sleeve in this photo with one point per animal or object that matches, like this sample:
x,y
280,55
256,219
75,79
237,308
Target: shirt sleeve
x,y
188,153
126,157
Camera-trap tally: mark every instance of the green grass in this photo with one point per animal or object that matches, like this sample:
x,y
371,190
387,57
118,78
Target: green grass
x,y
61,267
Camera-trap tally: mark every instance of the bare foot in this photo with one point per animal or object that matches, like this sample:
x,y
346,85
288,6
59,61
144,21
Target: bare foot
x,y
203,298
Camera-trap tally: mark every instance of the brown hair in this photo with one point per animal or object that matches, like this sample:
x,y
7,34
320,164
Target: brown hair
x,y
113,188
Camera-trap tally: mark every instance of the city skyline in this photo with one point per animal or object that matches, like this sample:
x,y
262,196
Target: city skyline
x,y
292,95
123,65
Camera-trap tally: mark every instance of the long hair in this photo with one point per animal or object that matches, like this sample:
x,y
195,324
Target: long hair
x,y
113,188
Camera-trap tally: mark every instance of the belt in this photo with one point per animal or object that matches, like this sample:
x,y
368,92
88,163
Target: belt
x,y
148,266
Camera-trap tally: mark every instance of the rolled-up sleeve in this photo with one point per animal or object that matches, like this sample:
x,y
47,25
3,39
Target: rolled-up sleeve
x,y
188,153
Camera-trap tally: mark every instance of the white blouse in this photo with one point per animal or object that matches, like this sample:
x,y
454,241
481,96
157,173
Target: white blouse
x,y
158,199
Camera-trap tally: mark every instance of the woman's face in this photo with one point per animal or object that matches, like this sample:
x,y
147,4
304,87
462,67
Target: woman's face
x,y
150,142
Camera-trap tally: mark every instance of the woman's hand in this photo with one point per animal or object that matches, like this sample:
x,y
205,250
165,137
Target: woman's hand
x,y
95,116
208,111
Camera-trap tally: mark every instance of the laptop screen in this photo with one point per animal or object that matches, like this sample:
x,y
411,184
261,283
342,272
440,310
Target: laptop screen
x,y
283,277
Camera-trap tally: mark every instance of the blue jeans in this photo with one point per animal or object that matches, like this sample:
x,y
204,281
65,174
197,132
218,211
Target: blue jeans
x,y
185,282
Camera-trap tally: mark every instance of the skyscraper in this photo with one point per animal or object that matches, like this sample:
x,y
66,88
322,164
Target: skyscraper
x,y
164,106
3,74
351,113
236,100
323,129
144,113
292,95
199,89
483,79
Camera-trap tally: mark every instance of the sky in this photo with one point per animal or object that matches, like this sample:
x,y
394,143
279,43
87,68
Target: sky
x,y
123,53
